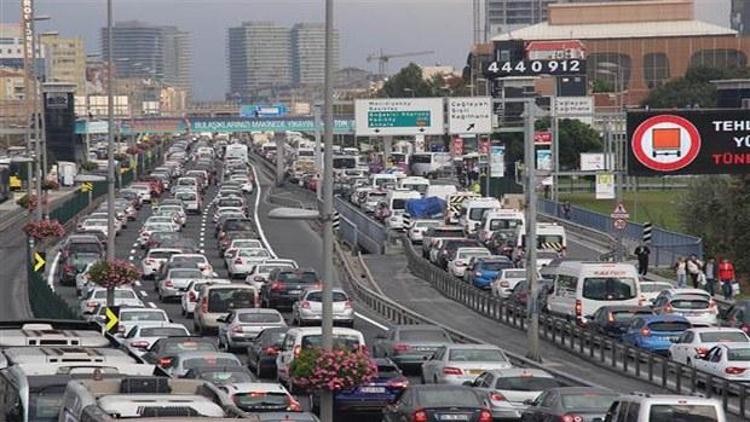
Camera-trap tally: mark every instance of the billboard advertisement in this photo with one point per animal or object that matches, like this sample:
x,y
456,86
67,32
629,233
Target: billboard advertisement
x,y
688,142
497,161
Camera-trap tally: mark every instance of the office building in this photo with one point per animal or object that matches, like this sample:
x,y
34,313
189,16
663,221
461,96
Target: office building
x,y
259,57
149,51
740,17
11,48
308,53
65,61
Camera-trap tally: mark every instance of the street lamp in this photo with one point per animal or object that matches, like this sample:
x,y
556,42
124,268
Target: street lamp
x,y
110,154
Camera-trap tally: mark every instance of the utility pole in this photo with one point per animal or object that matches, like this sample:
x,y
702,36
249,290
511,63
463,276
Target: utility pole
x,y
29,54
318,158
326,214
110,154
37,136
617,168
280,159
530,244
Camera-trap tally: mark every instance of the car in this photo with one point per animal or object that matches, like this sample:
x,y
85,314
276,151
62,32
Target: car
x,y
231,236
508,390
309,308
651,289
241,326
164,219
221,375
192,260
730,361
175,211
613,321
261,397
409,345
418,228
577,403
93,225
235,225
130,317
519,296
257,277
242,261
501,242
459,363
124,296
140,337
506,280
694,304
447,249
285,285
220,211
176,281
191,200
655,333
158,239
738,315
144,235
641,407
482,271
154,259
262,351
163,350
387,386
431,235
189,299
460,259
242,244
215,301
185,361
435,403
75,264
695,343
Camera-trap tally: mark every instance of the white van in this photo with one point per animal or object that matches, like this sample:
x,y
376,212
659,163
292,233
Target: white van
x,y
473,210
502,219
429,163
550,237
297,339
308,153
381,179
415,183
396,201
581,288
236,151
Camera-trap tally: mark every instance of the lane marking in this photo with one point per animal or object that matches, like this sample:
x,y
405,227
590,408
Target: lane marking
x,y
131,258
143,293
371,321
261,232
53,271
135,245
138,283
202,251
132,251
152,305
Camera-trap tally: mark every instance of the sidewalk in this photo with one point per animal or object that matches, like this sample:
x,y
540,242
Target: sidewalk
x,y
656,277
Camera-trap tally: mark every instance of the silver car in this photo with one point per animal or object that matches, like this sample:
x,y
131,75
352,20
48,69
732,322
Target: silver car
x,y
506,390
460,363
175,284
309,308
242,326
185,361
244,260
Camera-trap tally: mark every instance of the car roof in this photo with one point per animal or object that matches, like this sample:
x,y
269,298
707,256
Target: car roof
x,y
473,346
255,311
243,387
215,355
420,327
714,329
319,330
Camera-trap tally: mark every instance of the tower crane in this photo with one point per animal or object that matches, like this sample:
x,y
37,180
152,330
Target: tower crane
x,y
383,58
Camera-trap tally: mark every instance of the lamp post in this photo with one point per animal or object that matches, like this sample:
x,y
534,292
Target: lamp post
x,y
110,154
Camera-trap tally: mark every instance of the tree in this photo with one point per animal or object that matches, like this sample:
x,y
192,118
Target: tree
x,y
408,82
693,90
576,137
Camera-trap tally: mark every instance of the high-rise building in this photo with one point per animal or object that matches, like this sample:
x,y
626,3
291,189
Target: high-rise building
x,y
11,49
259,56
740,18
66,60
148,51
308,53
503,16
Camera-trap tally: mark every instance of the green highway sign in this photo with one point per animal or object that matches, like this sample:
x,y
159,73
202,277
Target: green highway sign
x,y
226,125
398,116
416,118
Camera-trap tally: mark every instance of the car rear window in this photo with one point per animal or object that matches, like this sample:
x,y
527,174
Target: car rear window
x,y
189,346
621,316
527,383
669,326
185,273
682,413
654,287
388,371
259,317
426,336
142,316
238,225
589,401
723,337
497,265
682,303
209,361
609,288
84,248
160,254
308,277
447,233
188,260
225,299
476,355
251,401
119,294
162,332
449,397
339,340
318,297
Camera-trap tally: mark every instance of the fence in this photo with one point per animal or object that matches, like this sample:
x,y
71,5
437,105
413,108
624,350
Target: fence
x,y
77,203
666,246
600,350
44,302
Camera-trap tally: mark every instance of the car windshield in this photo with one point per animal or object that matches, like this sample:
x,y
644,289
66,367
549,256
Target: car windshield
x,y
307,277
259,317
526,383
142,316
723,337
427,336
189,346
739,354
609,288
588,401
654,287
318,297
225,299
251,401
476,214
448,397
495,265
682,413
119,294
185,273
685,303
669,326
163,332
339,340
476,355
209,361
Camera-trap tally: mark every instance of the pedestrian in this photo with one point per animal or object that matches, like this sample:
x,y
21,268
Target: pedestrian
x,y
680,268
476,188
475,171
709,269
642,252
694,269
726,277
566,210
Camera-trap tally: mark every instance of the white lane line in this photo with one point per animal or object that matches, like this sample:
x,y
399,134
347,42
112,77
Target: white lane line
x,y
371,321
131,258
135,245
262,233
152,305
202,251
138,283
53,271
132,251
143,293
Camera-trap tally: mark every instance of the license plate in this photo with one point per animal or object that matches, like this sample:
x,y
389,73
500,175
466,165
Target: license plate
x,y
372,390
295,292
424,349
453,417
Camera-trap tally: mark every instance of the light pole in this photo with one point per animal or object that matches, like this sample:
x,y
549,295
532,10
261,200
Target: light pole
x,y
110,154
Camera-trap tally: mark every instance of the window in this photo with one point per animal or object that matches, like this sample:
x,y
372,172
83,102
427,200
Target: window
x,y
566,283
609,288
716,357
719,58
611,68
655,69
633,410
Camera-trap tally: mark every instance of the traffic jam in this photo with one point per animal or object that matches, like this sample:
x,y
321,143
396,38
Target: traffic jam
x,y
217,325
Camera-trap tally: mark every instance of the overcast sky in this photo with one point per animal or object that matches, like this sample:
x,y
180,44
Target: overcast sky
x,y
365,27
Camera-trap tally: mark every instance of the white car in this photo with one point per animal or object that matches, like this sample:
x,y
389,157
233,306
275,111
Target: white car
x,y
176,282
140,337
155,258
243,261
105,216
416,231
130,317
93,225
254,397
240,244
124,296
185,361
457,266
694,304
240,327
696,342
651,289
83,283
506,281
175,211
189,299
730,361
309,308
258,276
227,210
164,219
145,234
143,191
193,260
507,390
460,363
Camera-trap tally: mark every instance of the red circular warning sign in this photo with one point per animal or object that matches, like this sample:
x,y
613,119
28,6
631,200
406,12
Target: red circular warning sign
x,y
666,143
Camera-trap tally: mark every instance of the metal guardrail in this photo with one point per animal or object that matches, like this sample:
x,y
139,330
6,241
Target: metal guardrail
x,y
357,227
600,350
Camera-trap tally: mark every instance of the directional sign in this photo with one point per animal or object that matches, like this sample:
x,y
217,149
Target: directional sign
x,y
398,116
112,319
620,212
40,261
469,115
87,187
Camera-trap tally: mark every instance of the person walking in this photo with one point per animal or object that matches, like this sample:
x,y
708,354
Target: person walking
x,y
726,277
694,270
680,268
709,269
642,252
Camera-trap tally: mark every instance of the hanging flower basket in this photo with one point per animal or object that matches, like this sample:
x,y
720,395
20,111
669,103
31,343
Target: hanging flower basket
x,y
28,202
44,229
50,185
113,273
339,369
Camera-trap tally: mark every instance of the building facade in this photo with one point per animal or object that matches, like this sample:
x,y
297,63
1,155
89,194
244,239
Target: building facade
x,y
308,53
740,17
11,49
65,61
259,57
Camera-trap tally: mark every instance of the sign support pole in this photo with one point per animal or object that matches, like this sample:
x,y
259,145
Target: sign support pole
x,y
531,199
279,160
619,248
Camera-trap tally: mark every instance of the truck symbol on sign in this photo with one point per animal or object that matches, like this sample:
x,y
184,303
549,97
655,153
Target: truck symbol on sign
x,y
665,141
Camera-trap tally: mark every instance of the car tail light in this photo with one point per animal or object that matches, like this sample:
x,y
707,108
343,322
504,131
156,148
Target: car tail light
x,y
570,418
579,309
497,397
165,362
448,370
277,285
734,370
168,283
348,304
485,416
297,350
305,304
204,305
91,304
238,261
191,296
139,344
237,329
401,347
419,416
645,332
398,383
271,351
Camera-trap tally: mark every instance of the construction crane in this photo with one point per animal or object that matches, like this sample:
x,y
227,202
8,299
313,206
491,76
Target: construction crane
x,y
383,58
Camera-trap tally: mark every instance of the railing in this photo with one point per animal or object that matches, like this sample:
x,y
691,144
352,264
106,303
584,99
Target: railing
x,y
44,302
600,350
666,246
371,234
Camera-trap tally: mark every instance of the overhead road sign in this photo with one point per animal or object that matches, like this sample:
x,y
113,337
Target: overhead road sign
x,y
469,115
282,124
261,110
398,116
504,69
688,142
